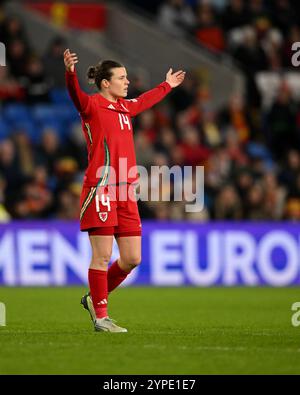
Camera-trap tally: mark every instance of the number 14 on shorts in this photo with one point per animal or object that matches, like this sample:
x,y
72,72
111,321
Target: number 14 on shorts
x,y
105,203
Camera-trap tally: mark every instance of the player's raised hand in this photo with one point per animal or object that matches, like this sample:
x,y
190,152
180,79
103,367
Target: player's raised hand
x,y
175,79
70,59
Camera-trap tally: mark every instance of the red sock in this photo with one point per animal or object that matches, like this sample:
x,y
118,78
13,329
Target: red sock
x,y
115,276
98,288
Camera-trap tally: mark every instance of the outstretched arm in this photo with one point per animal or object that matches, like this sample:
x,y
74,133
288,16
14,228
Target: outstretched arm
x,y
79,98
149,98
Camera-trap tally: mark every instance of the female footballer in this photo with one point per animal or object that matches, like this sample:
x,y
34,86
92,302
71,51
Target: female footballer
x,y
108,204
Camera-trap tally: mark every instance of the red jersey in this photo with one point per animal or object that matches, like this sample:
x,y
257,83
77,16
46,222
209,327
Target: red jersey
x,y
108,131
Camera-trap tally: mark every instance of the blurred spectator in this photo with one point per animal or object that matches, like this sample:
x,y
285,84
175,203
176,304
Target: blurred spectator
x,y
12,29
147,125
210,128
10,166
228,205
235,150
166,141
207,30
235,15
184,96
282,123
274,196
194,152
283,16
144,149
177,156
244,181
17,57
254,207
36,84
54,66
161,210
176,18
292,210
68,203
76,146
24,151
37,196
49,151
10,89
257,10
2,13
19,208
66,169
136,87
290,170
218,169
252,59
237,115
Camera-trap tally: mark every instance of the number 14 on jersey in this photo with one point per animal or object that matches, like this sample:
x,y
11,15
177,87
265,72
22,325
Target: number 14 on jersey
x,y
124,120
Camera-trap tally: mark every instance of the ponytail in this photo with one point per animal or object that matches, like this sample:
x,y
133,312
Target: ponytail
x,y
102,71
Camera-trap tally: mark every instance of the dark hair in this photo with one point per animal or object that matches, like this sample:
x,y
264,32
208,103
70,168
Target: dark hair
x,y
102,71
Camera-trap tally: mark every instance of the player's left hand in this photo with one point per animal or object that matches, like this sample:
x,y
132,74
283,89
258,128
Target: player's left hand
x,y
175,79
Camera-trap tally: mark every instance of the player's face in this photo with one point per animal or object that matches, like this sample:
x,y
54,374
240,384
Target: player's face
x,y
118,84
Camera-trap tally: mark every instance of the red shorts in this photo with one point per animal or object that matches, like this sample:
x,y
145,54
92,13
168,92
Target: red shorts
x,y
110,210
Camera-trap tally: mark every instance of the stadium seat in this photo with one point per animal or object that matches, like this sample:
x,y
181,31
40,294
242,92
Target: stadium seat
x,y
293,80
59,96
12,112
57,125
4,129
66,113
43,112
28,126
256,150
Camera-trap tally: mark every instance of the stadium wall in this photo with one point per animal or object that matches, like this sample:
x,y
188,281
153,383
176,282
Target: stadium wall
x,y
56,253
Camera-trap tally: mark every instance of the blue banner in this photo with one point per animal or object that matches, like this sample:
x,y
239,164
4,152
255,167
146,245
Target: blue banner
x,y
56,253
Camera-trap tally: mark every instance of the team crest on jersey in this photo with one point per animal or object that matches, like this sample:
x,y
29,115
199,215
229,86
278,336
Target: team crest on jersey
x,y
103,216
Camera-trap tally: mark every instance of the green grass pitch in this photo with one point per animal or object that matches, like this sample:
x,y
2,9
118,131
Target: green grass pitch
x,y
170,331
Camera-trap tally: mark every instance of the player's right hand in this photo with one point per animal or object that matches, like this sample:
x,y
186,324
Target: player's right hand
x,y
70,59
